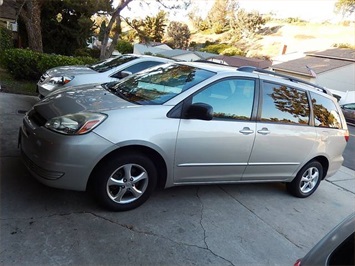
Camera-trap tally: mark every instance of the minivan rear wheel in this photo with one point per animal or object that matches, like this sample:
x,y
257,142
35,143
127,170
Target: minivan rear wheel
x,y
307,180
124,182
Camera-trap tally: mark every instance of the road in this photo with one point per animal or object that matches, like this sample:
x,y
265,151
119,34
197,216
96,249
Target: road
x,y
349,153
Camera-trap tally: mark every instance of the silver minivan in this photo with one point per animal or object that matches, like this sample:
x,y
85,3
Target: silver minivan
x,y
184,124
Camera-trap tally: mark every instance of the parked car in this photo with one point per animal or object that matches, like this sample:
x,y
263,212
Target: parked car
x,y
184,124
349,112
106,71
336,248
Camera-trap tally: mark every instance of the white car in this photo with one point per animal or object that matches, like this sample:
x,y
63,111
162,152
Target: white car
x,y
106,71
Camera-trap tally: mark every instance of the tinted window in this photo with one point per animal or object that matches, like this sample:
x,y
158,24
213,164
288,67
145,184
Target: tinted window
x,y
230,99
282,104
160,84
325,112
141,66
344,254
112,62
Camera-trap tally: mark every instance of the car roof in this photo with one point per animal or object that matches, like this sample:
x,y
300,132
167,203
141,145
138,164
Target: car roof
x,y
262,74
321,251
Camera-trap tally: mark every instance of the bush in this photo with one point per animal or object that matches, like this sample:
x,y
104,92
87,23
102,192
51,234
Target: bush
x,y
124,47
29,65
216,48
22,63
232,51
87,52
5,39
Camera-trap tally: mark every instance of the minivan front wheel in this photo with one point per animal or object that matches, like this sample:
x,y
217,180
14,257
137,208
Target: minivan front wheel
x,y
124,182
307,180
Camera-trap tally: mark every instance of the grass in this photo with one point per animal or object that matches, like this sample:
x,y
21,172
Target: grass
x,y
11,85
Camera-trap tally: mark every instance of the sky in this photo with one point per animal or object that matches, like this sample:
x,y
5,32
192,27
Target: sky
x,y
311,10
305,9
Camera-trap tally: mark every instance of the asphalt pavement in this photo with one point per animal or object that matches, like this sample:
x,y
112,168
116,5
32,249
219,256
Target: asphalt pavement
x,y
247,224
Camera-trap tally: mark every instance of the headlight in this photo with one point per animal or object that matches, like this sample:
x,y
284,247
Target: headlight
x,y
75,124
60,80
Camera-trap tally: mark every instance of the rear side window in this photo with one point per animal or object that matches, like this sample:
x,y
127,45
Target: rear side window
x,y
344,254
141,66
110,63
281,104
325,112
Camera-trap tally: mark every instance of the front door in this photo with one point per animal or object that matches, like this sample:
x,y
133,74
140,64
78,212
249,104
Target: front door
x,y
217,150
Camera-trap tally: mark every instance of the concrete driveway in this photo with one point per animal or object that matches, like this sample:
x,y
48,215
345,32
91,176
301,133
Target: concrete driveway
x,y
258,224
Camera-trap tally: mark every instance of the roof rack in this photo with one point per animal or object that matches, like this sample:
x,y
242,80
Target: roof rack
x,y
252,69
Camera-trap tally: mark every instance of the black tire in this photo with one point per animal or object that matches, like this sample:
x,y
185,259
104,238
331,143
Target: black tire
x,y
307,180
124,182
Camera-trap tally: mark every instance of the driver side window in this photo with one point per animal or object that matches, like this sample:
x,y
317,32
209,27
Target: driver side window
x,y
230,98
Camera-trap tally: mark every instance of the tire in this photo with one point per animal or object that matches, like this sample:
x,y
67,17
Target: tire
x,y
124,182
307,180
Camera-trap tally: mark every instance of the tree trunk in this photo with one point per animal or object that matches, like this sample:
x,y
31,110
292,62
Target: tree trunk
x,y
31,15
104,52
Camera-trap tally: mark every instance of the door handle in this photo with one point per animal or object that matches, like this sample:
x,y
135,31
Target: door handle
x,y
264,131
246,131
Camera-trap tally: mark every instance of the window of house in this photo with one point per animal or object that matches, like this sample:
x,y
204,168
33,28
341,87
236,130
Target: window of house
x,y
282,104
230,99
325,112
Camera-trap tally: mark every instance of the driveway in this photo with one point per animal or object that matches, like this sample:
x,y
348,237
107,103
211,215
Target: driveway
x,y
255,224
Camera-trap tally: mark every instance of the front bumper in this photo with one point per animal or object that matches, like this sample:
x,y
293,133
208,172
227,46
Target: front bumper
x,y
61,161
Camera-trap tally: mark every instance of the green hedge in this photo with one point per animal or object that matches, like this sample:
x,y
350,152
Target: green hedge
x,y
5,39
29,65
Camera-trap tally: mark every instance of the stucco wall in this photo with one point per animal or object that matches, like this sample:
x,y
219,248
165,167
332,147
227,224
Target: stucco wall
x,y
340,79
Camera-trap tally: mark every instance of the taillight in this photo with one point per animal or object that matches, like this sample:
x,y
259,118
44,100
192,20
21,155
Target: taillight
x,y
346,135
297,263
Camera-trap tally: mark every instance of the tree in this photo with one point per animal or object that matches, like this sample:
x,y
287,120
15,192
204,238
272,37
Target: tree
x,y
124,47
30,13
67,25
220,14
179,33
345,7
52,25
246,24
115,17
150,28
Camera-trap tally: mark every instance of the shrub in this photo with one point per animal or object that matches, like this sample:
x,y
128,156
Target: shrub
x,y
30,65
233,51
87,52
22,63
344,45
124,47
216,48
5,39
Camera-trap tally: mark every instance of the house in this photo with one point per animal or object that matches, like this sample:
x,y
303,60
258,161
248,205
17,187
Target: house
x,y
332,68
238,61
151,48
166,51
8,13
186,55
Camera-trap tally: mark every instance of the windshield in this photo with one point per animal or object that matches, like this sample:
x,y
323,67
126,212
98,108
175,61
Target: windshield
x,y
110,63
160,84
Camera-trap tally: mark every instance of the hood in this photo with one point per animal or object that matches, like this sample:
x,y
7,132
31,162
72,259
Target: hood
x,y
69,71
89,98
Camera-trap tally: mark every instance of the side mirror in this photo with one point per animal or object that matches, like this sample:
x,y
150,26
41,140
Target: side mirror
x,y
200,111
122,74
